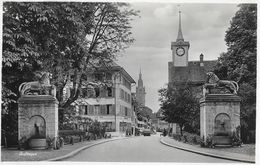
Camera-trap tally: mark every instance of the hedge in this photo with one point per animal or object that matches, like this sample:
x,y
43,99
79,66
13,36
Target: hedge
x,y
187,138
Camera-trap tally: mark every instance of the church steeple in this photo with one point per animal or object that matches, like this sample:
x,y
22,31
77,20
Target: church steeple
x,y
180,48
180,36
140,91
140,81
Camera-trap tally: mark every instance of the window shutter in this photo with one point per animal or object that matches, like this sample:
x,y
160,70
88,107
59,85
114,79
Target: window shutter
x,y
103,92
98,109
103,109
91,109
113,109
113,92
81,109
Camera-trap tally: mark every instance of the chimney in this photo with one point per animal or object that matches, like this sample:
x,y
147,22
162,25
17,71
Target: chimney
x,y
201,59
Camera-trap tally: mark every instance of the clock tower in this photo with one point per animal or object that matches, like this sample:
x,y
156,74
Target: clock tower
x,y
180,49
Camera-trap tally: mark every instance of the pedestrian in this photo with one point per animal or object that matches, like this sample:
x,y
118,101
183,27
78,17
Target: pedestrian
x,y
164,132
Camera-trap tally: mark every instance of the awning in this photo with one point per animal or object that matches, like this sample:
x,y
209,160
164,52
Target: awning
x,y
95,101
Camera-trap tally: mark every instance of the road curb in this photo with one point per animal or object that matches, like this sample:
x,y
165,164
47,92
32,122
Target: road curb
x,y
83,148
206,154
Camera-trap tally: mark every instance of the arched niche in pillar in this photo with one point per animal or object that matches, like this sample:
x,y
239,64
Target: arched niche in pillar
x,y
222,125
37,127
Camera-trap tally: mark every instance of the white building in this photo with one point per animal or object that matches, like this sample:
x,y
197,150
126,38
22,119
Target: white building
x,y
110,104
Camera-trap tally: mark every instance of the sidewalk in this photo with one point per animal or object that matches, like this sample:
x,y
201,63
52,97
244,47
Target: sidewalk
x,y
12,154
216,152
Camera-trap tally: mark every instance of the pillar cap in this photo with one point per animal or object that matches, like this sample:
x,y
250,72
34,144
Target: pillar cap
x,y
220,98
37,99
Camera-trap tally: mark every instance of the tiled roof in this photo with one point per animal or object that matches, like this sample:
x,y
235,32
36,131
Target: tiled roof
x,y
194,73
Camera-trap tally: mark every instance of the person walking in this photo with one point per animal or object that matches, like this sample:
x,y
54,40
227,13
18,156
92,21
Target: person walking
x,y
164,132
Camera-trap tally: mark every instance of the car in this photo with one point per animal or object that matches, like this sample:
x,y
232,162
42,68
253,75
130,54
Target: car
x,y
147,132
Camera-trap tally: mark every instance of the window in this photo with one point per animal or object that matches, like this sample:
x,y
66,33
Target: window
x,y
125,111
126,83
129,98
86,110
109,91
97,92
109,126
98,77
108,76
109,109
122,94
125,97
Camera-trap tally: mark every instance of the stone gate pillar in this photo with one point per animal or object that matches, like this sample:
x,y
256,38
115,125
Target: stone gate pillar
x,y
219,115
38,117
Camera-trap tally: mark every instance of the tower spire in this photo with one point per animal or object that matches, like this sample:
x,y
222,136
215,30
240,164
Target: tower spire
x,y
140,81
180,36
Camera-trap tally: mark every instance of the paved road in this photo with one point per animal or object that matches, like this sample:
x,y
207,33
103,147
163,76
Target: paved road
x,y
140,149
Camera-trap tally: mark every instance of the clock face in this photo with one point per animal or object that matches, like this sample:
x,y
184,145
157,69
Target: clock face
x,y
180,51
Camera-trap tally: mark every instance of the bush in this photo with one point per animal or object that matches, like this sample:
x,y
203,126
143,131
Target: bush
x,y
63,133
176,137
202,144
61,141
68,136
50,142
187,138
23,143
236,140
97,129
209,142
194,140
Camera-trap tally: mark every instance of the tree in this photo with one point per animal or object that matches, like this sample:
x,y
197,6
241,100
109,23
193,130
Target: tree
x,y
68,39
239,62
178,105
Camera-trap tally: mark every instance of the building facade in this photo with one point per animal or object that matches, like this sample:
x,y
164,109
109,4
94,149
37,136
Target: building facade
x,y
110,104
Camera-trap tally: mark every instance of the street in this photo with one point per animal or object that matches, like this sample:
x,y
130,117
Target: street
x,y
140,149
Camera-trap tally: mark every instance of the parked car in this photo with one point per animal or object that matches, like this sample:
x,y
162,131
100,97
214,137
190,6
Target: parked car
x,y
147,132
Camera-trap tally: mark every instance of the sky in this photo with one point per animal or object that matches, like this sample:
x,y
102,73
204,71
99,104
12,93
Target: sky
x,y
203,25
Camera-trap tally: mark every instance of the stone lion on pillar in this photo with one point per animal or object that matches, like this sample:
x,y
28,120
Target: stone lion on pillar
x,y
213,81
40,87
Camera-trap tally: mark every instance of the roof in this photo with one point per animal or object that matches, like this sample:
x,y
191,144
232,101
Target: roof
x,y
115,67
194,74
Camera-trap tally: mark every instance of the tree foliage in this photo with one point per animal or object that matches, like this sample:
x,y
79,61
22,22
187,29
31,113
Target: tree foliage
x,y
239,62
68,39
179,105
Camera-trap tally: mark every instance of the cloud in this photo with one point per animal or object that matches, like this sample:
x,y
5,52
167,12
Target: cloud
x,y
165,12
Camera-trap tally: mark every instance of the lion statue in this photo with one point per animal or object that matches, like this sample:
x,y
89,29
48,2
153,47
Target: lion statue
x,y
214,81
40,87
